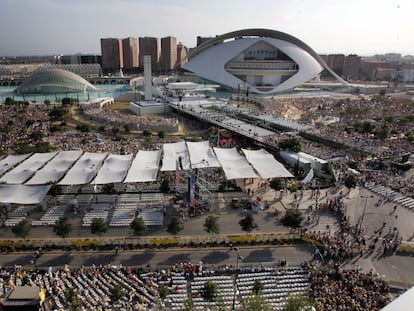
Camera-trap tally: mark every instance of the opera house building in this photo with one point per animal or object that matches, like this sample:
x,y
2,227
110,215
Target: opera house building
x,y
261,61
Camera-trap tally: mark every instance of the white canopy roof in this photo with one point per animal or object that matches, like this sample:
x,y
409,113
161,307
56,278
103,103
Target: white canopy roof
x,y
234,164
84,169
114,169
22,194
144,167
10,161
56,168
25,170
202,155
172,152
265,164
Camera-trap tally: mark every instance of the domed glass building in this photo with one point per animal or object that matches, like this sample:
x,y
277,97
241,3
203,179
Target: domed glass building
x,y
52,81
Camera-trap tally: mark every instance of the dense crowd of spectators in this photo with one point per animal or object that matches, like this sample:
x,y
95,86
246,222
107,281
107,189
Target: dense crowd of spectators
x,y
338,289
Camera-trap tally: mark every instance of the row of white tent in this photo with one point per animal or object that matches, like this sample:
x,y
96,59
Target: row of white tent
x,y
25,179
79,168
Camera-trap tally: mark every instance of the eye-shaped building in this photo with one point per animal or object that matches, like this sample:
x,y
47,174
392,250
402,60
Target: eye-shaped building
x,y
53,80
261,61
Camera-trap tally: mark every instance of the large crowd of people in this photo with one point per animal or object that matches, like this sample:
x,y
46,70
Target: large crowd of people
x,y
338,289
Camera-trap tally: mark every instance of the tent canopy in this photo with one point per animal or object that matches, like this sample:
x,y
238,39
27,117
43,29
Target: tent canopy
x,y
173,153
114,169
144,167
234,164
265,164
22,194
202,155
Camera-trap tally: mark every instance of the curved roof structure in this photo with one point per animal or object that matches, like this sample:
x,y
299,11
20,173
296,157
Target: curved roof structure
x,y
262,61
53,80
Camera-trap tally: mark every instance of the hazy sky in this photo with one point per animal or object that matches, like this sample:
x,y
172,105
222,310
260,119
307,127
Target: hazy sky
x,y
364,27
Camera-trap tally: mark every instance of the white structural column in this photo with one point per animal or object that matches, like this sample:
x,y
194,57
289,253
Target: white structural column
x,y
147,77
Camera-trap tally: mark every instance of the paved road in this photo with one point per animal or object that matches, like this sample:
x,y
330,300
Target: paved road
x,y
164,257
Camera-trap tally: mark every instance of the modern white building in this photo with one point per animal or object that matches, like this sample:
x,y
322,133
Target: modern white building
x,y
260,61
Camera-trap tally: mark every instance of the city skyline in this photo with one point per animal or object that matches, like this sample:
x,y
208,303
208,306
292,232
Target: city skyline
x,y
51,27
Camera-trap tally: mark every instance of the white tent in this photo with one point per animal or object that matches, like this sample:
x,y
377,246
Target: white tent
x,y
202,155
317,163
265,164
234,164
114,169
10,161
55,169
144,167
172,153
84,169
27,168
401,303
22,194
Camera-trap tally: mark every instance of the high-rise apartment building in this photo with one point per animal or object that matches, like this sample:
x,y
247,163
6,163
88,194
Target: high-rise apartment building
x,y
112,54
168,53
130,53
150,46
352,66
182,53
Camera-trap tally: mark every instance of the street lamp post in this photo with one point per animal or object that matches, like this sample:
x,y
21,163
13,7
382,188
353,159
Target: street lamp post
x,y
235,291
363,212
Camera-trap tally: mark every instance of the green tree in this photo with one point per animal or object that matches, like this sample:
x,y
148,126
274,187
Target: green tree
x,y
211,225
22,229
276,184
138,226
210,291
55,190
161,134
175,226
257,287
256,302
247,223
298,303
36,135
99,226
127,128
292,144
146,133
116,293
384,132
188,304
163,290
72,300
351,181
62,227
115,130
292,218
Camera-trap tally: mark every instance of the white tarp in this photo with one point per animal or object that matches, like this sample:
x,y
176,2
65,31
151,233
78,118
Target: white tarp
x,y
22,194
202,155
10,161
144,167
293,159
172,153
114,169
84,169
26,169
265,164
56,168
234,164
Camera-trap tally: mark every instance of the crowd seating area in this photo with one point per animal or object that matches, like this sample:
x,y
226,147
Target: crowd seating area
x,y
277,285
225,284
330,288
96,210
19,214
51,216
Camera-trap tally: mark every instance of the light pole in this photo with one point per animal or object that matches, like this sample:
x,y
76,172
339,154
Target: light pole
x,y
235,291
363,212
